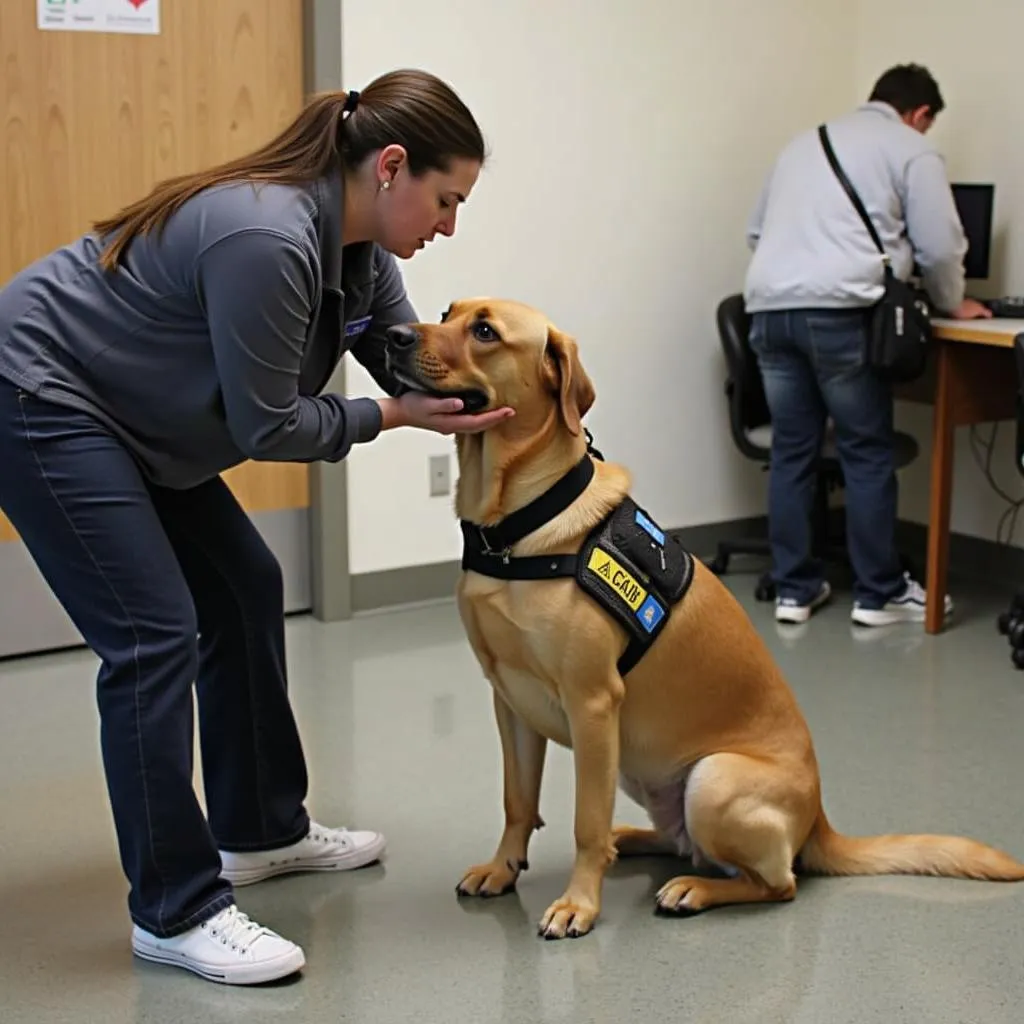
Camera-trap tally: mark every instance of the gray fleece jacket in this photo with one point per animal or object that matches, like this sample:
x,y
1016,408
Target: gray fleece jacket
x,y
811,249
211,343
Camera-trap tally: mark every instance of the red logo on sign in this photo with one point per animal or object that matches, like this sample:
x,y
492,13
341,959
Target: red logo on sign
x,y
136,3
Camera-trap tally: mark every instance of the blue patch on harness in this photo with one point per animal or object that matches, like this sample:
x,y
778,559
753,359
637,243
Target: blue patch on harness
x,y
356,327
645,524
650,614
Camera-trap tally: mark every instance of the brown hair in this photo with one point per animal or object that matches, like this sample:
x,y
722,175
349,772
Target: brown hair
x,y
413,109
907,87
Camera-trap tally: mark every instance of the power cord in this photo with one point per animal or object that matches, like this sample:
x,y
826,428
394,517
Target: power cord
x,y
983,450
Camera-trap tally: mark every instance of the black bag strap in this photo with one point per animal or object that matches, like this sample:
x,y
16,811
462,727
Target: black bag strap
x,y
851,191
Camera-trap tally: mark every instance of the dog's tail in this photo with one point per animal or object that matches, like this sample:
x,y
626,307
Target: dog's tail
x,y
827,852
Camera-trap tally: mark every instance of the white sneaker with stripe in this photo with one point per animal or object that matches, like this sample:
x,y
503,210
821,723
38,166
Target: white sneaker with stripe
x,y
908,606
789,610
228,948
321,849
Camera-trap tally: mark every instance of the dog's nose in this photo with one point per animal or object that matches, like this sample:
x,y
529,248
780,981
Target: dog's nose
x,y
402,336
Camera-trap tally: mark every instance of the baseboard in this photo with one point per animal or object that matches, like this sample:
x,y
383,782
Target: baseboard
x,y
969,558
972,558
33,622
391,588
422,584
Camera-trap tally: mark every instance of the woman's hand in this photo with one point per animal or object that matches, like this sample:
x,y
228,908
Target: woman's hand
x,y
442,415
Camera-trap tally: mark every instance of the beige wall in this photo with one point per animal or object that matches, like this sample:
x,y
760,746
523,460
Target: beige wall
x,y
629,142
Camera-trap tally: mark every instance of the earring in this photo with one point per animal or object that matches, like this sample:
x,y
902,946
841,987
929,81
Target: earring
x,y
385,185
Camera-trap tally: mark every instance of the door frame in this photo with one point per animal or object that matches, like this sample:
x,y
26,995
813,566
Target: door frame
x,y
330,579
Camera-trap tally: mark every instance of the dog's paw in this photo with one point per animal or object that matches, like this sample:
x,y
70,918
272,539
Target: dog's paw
x,y
488,880
567,918
680,897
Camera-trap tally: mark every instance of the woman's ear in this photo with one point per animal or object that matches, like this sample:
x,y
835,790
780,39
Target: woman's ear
x,y
388,163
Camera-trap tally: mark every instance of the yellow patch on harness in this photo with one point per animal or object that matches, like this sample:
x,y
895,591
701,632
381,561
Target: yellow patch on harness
x,y
608,570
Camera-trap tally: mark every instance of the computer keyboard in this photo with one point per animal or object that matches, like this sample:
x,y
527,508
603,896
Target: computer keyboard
x,y
1010,307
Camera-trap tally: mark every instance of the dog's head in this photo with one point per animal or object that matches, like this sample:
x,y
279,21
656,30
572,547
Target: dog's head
x,y
493,353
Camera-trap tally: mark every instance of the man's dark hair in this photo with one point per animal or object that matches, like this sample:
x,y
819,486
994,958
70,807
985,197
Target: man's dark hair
x,y
908,87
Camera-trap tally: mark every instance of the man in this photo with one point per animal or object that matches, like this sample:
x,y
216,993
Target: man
x,y
814,273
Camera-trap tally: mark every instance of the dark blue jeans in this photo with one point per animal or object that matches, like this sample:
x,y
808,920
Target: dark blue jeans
x,y
813,363
170,589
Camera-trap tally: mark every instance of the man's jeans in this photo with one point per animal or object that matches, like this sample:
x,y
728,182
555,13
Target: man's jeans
x,y
813,363
172,590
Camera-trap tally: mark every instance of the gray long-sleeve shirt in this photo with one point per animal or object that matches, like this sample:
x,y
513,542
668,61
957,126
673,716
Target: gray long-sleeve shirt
x,y
811,249
211,343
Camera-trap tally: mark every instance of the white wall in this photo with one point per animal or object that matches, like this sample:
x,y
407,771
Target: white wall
x,y
973,49
629,142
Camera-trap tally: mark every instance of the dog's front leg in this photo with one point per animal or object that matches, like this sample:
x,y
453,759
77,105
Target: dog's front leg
x,y
523,752
594,721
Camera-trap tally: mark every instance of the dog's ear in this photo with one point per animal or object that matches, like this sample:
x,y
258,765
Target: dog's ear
x,y
568,378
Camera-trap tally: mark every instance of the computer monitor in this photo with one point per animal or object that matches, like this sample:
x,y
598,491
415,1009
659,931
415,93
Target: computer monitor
x,y
974,204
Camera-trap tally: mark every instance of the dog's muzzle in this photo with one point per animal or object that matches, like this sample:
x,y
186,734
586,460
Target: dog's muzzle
x,y
400,353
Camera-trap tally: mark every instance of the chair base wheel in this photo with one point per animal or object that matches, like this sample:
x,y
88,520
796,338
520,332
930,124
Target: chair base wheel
x,y
765,589
1015,633
719,565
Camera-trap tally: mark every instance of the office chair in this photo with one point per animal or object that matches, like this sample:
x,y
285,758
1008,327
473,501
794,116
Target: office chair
x,y
750,425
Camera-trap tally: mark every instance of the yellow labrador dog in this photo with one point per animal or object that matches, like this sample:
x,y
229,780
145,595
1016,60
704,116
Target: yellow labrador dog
x,y
697,725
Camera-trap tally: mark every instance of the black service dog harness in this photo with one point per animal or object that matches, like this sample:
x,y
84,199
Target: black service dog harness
x,y
627,564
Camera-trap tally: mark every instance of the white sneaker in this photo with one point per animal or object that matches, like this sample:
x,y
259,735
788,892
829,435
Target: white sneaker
x,y
909,606
788,609
228,948
322,849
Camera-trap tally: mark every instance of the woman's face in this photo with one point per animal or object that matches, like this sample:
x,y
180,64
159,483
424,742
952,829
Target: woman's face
x,y
411,211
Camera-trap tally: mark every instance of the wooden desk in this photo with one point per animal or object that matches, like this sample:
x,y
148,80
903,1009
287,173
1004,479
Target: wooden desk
x,y
973,379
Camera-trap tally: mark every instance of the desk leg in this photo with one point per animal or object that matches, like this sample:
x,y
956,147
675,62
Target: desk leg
x,y
941,490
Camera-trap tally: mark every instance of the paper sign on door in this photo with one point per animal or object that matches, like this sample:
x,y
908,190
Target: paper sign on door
x,y
135,17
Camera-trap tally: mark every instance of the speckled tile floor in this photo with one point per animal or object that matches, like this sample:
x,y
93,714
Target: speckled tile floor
x,y
914,733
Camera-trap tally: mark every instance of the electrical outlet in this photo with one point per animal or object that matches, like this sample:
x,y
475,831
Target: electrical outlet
x,y
440,475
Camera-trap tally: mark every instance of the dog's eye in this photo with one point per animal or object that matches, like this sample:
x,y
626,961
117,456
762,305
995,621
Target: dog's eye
x,y
483,331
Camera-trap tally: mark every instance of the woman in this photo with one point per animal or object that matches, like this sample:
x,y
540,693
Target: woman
x,y
188,333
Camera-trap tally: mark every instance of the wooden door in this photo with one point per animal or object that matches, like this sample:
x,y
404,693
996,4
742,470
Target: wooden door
x,y
91,121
